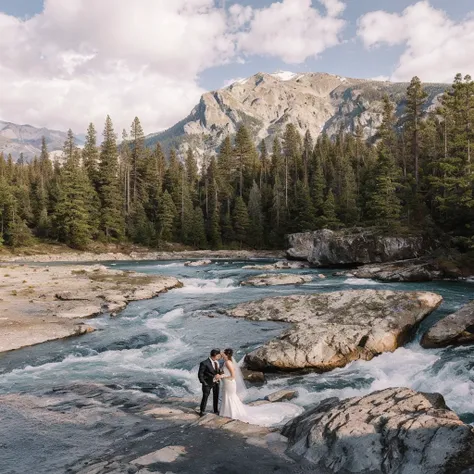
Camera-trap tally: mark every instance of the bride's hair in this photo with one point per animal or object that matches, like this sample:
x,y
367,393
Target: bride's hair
x,y
229,353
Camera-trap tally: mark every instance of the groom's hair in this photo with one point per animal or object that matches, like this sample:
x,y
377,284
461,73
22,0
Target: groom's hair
x,y
214,352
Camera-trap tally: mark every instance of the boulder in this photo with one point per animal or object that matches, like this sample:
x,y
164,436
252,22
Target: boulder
x,y
281,396
393,431
417,270
300,245
277,279
455,329
361,246
197,263
253,376
332,329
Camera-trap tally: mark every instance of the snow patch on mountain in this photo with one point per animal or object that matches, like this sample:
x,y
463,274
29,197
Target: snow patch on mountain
x,y
284,75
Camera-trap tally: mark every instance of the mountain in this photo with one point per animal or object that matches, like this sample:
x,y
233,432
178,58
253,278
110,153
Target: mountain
x,y
16,139
266,103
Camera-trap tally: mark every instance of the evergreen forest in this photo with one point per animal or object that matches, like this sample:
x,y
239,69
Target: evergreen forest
x,y
415,175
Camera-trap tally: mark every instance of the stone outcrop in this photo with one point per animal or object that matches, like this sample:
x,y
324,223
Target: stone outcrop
x,y
389,432
332,329
300,245
416,270
362,246
455,329
277,279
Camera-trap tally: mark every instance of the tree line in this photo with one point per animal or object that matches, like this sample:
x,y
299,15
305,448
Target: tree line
x,y
416,173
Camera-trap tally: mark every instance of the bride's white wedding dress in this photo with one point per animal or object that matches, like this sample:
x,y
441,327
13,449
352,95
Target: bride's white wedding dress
x,y
264,415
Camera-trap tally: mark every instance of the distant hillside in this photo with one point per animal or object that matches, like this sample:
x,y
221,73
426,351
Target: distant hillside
x,y
16,139
265,103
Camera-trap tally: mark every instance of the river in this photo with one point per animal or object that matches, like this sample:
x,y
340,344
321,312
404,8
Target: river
x,y
155,346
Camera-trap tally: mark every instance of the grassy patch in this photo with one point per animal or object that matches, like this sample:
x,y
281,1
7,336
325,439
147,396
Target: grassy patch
x,y
123,279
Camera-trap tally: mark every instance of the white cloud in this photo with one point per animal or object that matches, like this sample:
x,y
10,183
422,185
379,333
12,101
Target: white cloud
x,y
293,30
82,59
334,7
436,47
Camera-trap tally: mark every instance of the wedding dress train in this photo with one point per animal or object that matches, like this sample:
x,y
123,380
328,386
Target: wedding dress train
x,y
269,414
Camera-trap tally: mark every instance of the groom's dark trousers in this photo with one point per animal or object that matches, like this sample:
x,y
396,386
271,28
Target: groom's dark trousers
x,y
206,375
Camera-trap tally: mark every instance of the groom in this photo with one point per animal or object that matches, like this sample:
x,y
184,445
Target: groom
x,y
208,370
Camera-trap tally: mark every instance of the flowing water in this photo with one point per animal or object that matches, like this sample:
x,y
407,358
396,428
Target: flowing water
x,y
155,346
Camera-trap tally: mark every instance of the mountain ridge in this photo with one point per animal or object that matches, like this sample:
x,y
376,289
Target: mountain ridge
x,y
16,139
265,103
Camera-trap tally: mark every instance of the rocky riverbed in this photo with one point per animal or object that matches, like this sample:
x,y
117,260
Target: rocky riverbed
x,y
122,399
124,431
44,303
116,431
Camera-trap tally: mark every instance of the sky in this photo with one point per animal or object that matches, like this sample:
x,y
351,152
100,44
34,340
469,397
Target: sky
x,y
65,63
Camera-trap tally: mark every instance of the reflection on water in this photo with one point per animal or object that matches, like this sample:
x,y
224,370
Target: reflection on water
x,y
156,345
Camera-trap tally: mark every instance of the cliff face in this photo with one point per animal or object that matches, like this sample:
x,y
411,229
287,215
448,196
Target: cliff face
x,y
266,103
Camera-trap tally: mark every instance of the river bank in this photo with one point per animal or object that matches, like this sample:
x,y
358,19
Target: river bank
x,y
108,253
40,303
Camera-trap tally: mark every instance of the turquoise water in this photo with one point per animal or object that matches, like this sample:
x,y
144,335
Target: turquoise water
x,y
156,345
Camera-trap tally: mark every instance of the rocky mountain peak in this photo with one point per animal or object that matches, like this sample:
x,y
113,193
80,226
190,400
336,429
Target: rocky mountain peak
x,y
266,103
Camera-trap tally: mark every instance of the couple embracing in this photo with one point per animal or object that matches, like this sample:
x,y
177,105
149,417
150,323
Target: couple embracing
x,y
228,377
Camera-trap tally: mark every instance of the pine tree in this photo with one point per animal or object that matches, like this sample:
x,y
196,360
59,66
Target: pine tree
x,y
302,210
112,221
71,216
383,203
416,98
198,230
192,174
255,232
264,163
329,211
246,157
307,156
318,186
240,219
348,209
90,155
215,229
166,218
137,147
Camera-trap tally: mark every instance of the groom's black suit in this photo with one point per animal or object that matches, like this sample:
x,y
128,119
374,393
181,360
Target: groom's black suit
x,y
206,374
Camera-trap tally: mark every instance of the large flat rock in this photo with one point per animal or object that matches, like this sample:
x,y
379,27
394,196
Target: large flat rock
x,y
273,279
394,431
455,329
332,329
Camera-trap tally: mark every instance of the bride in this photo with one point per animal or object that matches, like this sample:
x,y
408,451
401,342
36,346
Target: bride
x,y
232,407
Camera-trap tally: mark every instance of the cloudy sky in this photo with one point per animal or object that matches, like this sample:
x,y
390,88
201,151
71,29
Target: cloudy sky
x,y
65,63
